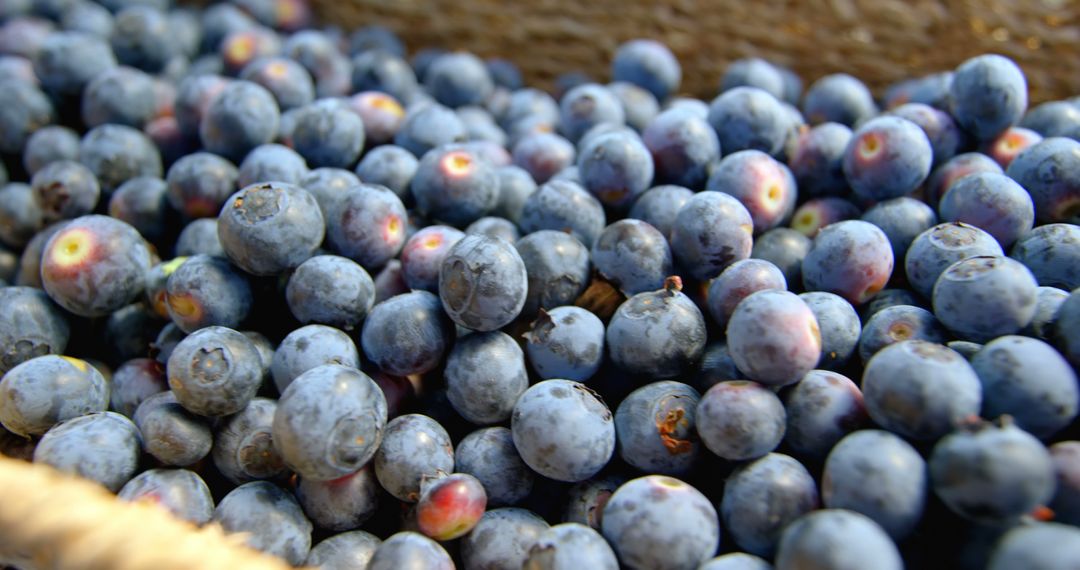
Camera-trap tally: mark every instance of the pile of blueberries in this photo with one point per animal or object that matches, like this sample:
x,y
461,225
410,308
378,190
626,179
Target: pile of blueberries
x,y
388,312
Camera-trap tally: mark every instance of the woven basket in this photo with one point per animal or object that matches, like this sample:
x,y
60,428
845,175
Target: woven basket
x,y
879,41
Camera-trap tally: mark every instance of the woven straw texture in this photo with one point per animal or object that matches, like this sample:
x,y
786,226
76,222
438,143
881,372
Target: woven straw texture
x,y
52,520
879,41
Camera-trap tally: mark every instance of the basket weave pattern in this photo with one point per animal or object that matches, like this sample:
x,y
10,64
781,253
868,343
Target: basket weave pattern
x,y
879,41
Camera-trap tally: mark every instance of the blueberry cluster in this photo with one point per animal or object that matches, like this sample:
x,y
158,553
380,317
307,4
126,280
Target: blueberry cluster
x,y
375,311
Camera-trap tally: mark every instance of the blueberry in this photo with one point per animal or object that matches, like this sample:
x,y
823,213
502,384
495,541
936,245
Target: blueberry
x,y
764,496
1029,380
566,342
485,374
993,203
352,549
563,205
838,325
563,430
648,64
496,227
658,334
133,382
207,291
100,446
67,61
615,167
838,98
816,160
1052,253
543,154
328,134
455,185
389,165
143,203
199,237
852,259
898,323
1066,320
737,282
763,185
887,157
270,227
749,118
753,72
489,455
939,247
43,391
902,219
713,230
989,94
715,365
308,347
967,289
183,493
568,546
457,79
586,106
946,138
1053,119
141,38
244,444
407,334
46,144
740,420
327,185
241,47
1009,144
1066,458
414,447
774,337
586,500
661,522
817,213
502,539
345,432
736,561
340,504
214,371
287,80
952,170
991,473
407,549
821,409
659,205
1048,171
199,184
32,326
117,153
381,114
94,265
920,390
515,187
633,256
428,127
836,539
270,519
879,475
785,248
1047,301
1041,545
243,116
368,225
654,427
330,290
272,163
171,434
483,283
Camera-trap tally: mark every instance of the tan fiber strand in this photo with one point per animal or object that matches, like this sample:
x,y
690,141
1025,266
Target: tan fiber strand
x,y
52,520
879,41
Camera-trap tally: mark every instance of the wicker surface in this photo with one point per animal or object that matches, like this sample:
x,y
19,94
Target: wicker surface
x,y
52,520
879,41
